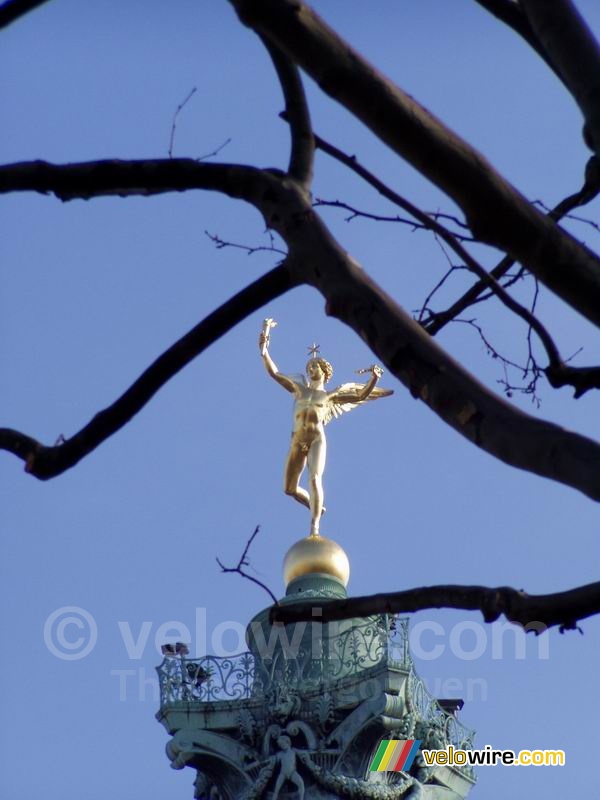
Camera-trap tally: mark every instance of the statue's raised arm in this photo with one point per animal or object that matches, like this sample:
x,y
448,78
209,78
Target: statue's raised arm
x,y
314,407
264,341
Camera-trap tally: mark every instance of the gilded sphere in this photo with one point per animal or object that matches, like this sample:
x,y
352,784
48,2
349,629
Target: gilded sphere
x,y
316,554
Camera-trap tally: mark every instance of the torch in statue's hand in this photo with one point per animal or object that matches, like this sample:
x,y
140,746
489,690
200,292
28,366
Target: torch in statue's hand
x,y
374,369
265,335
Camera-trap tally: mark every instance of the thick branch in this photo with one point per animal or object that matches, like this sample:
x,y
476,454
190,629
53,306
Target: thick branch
x,y
48,462
512,15
588,191
434,377
563,609
426,220
315,258
582,379
488,280
437,321
575,53
297,113
11,10
496,212
559,374
126,178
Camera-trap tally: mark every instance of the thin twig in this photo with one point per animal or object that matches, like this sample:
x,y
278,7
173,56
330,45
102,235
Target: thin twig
x,y
425,307
243,562
452,269
216,151
488,280
529,369
574,217
356,213
589,190
179,108
220,244
450,217
558,374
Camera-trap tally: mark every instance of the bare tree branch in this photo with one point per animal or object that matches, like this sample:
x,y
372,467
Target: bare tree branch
x,y
451,239
589,190
317,259
530,370
355,213
537,612
495,211
428,221
434,377
558,372
512,15
11,10
128,178
581,378
588,375
221,244
574,51
243,562
296,111
178,110
47,462
438,320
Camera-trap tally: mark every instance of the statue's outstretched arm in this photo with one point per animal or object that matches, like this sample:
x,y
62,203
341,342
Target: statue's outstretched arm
x,y
341,396
270,365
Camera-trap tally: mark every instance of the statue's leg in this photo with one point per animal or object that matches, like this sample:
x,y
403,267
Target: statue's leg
x,y
294,467
316,466
296,779
278,785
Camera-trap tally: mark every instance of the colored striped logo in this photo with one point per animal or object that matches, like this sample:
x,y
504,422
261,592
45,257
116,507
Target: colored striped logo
x,y
395,755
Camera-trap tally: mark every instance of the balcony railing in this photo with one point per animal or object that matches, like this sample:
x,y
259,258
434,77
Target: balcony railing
x,y
345,652
207,679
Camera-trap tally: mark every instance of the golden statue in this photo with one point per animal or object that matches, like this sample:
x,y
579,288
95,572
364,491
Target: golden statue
x,y
314,407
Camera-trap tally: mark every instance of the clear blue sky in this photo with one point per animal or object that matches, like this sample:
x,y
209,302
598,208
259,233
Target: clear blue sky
x,y
93,291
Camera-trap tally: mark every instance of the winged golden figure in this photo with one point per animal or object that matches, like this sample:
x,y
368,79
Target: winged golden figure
x,y
314,407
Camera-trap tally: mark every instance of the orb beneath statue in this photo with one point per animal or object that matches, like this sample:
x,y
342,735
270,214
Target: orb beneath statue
x,y
316,555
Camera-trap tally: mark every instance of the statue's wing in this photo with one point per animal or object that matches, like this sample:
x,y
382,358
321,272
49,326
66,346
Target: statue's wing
x,y
336,407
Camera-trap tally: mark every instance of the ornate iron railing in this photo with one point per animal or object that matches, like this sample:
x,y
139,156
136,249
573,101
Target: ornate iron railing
x,y
442,727
398,652
347,650
207,679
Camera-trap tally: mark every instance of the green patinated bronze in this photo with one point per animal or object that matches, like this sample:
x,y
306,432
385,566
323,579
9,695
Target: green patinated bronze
x,y
302,712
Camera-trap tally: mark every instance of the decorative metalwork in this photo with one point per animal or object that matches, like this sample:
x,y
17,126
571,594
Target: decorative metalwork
x,y
336,651
207,679
397,642
441,727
